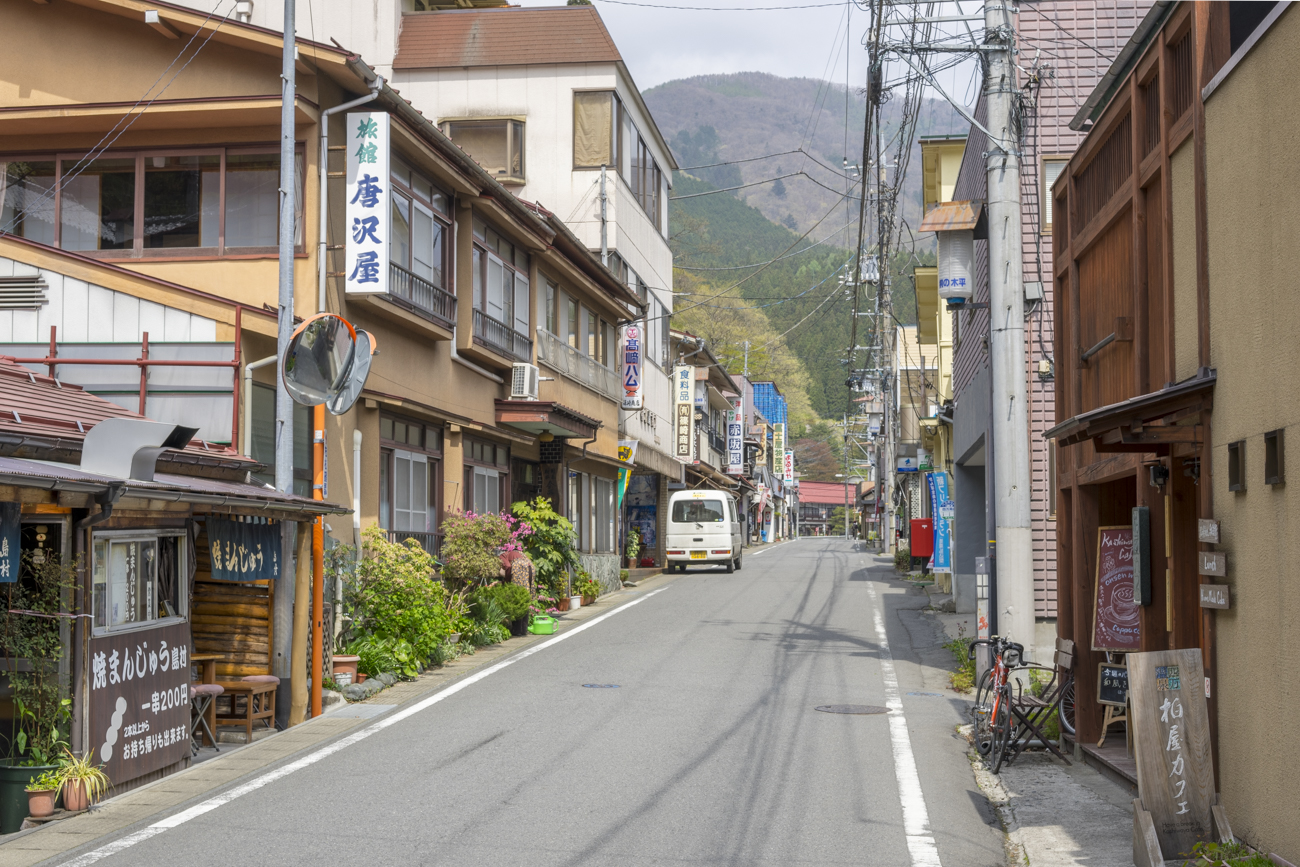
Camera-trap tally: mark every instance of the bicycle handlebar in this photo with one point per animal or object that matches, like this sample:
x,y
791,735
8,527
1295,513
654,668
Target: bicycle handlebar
x,y
1000,645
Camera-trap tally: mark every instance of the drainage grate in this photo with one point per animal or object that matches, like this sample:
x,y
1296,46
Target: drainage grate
x,y
852,708
600,686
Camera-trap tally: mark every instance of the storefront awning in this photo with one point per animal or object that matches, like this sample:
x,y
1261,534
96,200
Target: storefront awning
x,y
544,416
1147,423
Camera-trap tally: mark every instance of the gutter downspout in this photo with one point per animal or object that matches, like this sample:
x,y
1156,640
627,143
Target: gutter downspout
x,y
375,87
356,498
248,399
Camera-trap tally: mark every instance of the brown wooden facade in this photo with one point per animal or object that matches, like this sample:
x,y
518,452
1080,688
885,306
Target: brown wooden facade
x,y
1123,285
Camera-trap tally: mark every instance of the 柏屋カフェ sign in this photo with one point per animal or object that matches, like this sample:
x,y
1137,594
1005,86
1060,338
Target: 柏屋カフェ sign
x,y
632,366
367,218
140,700
243,551
1116,623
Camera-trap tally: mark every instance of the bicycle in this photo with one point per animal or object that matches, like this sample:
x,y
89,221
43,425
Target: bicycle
x,y
992,719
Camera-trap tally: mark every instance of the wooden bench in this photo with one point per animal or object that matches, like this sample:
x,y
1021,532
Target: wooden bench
x,y
258,704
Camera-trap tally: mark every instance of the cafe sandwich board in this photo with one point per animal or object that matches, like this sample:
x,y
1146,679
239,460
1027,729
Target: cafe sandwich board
x,y
1116,615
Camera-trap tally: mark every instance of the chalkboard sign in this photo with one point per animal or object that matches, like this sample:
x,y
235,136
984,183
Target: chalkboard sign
x,y
1116,624
1112,684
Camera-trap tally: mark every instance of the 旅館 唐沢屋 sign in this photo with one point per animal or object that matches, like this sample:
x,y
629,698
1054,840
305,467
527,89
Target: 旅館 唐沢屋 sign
x,y
1116,620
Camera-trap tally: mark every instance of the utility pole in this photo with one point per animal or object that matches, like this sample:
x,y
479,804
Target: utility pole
x,y
283,403
1014,539
746,359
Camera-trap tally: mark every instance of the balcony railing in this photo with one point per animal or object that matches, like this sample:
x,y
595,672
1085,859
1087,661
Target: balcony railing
x,y
718,443
437,304
501,337
554,352
430,542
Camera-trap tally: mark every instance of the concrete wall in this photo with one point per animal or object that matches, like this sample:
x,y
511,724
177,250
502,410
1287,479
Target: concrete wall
x,y
1254,308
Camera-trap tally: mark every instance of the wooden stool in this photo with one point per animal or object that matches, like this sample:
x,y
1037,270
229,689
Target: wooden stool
x,y
259,704
202,695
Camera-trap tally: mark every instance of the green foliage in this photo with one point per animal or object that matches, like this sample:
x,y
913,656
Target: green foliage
x,y
387,654
963,678
588,587
43,711
395,595
46,782
512,599
486,624
472,545
633,543
836,527
1232,854
551,544
82,772
903,558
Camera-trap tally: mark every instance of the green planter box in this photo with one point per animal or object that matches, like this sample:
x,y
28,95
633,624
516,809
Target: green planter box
x,y
13,792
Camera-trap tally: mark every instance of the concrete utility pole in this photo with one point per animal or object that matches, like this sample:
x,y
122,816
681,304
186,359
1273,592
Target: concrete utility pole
x,y
283,403
1015,555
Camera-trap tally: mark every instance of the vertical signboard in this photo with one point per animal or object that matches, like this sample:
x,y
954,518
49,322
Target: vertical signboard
x,y
736,438
684,411
788,475
1116,625
368,203
778,449
10,541
140,700
941,560
632,366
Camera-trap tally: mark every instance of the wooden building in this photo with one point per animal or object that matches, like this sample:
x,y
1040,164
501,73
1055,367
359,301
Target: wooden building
x,y
1136,378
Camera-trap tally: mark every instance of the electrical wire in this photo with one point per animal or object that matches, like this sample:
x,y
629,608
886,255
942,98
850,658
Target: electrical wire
x,y
737,162
769,261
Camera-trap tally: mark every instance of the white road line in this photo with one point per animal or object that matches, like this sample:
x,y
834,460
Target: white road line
x,y
916,818
777,545
312,758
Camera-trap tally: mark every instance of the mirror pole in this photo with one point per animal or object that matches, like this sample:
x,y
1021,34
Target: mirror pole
x,y
317,559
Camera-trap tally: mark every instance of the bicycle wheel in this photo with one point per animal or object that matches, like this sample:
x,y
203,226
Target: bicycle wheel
x,y
1065,710
1002,728
981,714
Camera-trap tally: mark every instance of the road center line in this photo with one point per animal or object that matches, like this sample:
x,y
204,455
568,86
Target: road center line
x,y
916,818
256,783
777,545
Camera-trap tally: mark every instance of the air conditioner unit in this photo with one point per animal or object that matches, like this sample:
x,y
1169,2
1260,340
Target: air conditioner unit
x,y
523,382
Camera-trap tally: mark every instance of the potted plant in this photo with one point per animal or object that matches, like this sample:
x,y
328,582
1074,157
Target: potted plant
x,y
633,547
42,791
589,590
81,781
42,710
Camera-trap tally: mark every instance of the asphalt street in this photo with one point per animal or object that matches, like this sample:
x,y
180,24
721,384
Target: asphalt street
x,y
681,729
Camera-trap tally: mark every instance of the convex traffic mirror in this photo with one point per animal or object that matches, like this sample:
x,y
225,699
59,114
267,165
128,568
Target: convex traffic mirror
x,y
327,362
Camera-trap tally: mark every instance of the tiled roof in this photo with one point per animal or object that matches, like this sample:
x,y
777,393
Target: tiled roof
x,y
826,492
504,37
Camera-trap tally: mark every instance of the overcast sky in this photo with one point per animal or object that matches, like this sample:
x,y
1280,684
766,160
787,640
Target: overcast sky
x,y
660,45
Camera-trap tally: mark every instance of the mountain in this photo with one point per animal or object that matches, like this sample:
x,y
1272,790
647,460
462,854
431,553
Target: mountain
x,y
720,118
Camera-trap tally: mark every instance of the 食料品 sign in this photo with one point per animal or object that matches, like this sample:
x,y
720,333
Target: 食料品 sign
x,y
684,412
1116,622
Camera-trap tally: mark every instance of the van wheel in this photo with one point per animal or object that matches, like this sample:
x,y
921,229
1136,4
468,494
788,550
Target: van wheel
x,y
731,566
738,562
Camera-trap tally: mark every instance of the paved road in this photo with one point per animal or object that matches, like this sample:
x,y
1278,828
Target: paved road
x,y
708,751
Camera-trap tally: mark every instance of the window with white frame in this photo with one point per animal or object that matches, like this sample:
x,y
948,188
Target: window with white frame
x,y
487,476
420,221
409,465
605,511
500,278
138,578
1051,171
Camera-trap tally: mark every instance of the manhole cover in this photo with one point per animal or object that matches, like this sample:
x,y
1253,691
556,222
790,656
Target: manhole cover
x,y
852,708
600,686
928,694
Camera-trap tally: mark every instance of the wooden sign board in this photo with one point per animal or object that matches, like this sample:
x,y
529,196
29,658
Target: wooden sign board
x,y
1215,596
1112,684
1207,530
1116,622
1171,729
1213,563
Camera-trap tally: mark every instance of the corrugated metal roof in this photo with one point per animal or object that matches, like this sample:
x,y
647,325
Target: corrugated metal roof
x,y
952,216
504,37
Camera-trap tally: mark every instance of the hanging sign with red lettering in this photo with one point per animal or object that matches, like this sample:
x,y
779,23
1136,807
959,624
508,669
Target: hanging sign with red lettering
x,y
1116,624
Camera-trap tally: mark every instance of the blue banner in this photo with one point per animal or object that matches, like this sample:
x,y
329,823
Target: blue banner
x,y
940,509
11,539
243,550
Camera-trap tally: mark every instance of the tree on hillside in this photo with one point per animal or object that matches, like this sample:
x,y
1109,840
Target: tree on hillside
x,y
816,460
778,188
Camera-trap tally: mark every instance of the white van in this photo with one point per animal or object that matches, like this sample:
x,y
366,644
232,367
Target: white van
x,y
703,529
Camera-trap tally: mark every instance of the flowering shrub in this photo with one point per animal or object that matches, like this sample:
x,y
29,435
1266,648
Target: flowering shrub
x,y
395,594
549,543
472,545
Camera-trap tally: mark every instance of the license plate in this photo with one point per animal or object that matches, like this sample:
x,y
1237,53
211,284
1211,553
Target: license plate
x,y
698,555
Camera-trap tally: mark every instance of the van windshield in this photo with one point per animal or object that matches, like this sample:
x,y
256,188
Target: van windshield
x,y
701,511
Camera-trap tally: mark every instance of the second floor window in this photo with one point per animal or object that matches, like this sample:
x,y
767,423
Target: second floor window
x,y
597,130
496,145
199,202
500,278
419,228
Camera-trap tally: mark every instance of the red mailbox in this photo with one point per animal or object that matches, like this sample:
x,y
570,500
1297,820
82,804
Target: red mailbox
x,y
922,537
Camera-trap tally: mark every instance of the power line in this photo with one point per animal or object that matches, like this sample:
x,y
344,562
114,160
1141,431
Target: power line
x,y
735,162
769,261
